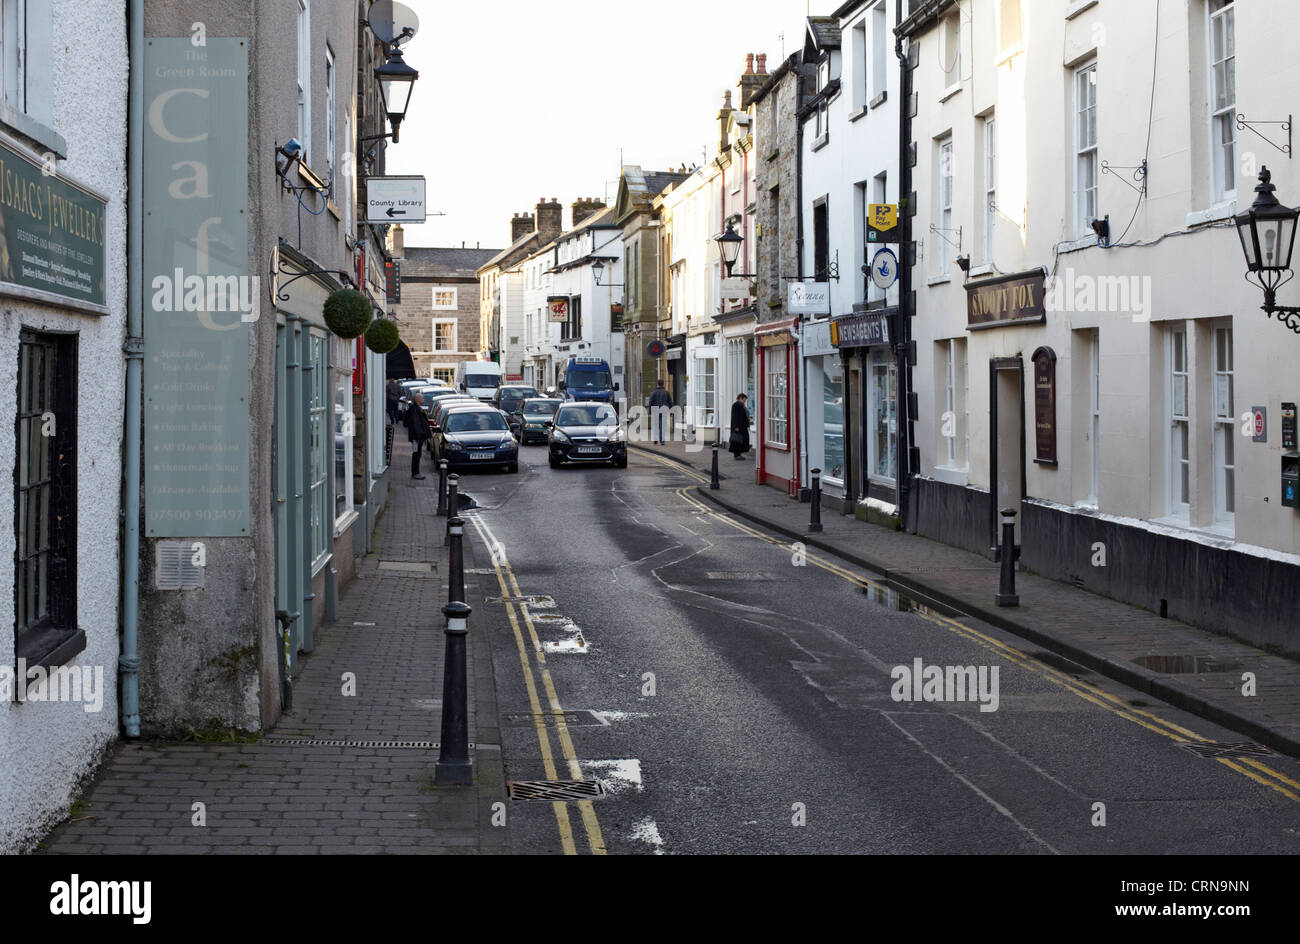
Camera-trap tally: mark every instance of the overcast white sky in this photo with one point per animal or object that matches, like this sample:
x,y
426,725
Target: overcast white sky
x,y
521,99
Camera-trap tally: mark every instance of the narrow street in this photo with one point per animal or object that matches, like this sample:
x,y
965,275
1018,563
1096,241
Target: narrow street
x,y
730,700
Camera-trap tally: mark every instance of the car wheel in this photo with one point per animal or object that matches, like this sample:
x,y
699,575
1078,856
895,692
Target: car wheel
x,y
513,467
553,462
620,463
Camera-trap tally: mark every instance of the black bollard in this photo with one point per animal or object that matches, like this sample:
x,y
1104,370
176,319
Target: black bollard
x,y
815,523
454,767
453,505
713,483
456,561
442,486
1007,586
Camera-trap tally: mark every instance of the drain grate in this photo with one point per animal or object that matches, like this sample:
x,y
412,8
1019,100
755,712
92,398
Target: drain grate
x,y
555,789
412,567
343,742
1214,749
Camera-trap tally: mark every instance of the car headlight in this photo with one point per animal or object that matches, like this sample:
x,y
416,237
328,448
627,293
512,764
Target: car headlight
x,y
560,435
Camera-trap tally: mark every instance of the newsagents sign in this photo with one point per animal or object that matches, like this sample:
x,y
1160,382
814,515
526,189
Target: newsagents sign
x,y
51,234
200,299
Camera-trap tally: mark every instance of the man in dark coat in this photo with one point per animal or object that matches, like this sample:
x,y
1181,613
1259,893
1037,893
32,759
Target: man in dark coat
x,y
417,428
660,402
739,428
394,395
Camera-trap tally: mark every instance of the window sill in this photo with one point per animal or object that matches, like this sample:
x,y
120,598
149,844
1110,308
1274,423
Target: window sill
x,y
29,129
56,647
343,522
1077,7
949,92
879,99
938,279
1009,53
951,475
1221,531
1073,245
855,115
985,269
821,141
1219,211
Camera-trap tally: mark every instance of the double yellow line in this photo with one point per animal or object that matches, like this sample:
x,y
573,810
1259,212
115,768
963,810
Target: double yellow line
x,y
1248,767
510,594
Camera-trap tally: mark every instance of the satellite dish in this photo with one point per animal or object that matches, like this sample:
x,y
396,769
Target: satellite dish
x,y
392,22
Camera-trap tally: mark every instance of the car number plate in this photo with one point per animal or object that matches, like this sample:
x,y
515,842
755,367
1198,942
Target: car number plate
x,y
480,455
587,450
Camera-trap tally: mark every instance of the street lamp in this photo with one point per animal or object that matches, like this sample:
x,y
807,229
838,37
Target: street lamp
x,y
598,267
729,244
396,80
1267,233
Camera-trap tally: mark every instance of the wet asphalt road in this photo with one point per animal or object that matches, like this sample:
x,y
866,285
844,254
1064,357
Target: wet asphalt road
x,y
732,698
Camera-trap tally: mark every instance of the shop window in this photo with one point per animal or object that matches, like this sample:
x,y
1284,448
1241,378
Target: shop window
x,y
776,393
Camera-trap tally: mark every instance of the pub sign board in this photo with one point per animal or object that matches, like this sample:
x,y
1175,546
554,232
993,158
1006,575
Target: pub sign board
x,y
1016,299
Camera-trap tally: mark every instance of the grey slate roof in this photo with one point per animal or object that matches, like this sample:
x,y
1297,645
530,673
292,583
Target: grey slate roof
x,y
523,242
438,263
824,31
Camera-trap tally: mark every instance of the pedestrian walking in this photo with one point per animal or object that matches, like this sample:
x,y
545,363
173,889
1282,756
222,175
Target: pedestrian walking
x,y
393,396
661,401
739,444
417,427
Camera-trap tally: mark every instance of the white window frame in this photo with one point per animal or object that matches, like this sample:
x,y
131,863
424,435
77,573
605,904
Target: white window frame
x,y
1094,418
1085,152
704,383
342,383
455,338
950,398
331,104
861,60
304,80
990,185
1005,49
13,40
1222,400
1178,453
320,403
1223,160
776,409
439,289
879,50
882,361
950,53
944,203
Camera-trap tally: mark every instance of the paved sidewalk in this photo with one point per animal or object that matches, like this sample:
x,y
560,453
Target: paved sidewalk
x,y
310,797
1099,633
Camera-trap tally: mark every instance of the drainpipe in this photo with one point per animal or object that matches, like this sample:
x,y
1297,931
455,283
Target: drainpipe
x,y
128,662
800,452
905,419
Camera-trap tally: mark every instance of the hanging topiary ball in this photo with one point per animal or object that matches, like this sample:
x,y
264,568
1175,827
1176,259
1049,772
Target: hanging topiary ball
x,y
347,313
381,336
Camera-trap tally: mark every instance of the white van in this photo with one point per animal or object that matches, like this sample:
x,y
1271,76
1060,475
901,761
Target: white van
x,y
478,379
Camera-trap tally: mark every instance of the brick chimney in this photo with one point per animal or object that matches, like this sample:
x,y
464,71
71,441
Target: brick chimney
x,y
582,208
549,222
724,114
754,77
520,226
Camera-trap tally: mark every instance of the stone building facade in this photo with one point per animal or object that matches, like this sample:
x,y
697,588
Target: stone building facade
x,y
438,316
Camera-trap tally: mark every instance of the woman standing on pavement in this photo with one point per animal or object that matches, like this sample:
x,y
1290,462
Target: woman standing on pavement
x,y
739,428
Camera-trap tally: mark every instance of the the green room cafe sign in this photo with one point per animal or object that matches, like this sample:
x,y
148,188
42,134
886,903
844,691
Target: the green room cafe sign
x,y
51,232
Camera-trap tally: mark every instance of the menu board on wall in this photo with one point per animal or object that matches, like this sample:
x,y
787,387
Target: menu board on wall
x,y
1045,406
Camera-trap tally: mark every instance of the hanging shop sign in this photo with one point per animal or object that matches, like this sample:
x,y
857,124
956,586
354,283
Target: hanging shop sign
x,y
862,330
1007,300
559,308
809,298
884,269
882,222
1045,406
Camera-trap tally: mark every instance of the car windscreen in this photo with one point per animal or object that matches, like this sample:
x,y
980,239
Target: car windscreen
x,y
482,380
586,414
588,378
539,407
475,421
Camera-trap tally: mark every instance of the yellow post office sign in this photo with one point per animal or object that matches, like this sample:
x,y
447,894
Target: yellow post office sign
x,y
882,222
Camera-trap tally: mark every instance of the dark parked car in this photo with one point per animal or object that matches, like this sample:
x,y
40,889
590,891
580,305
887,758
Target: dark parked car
x,y
587,432
443,410
507,399
477,437
531,422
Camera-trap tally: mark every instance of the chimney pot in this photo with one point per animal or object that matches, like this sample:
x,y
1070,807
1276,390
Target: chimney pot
x,y
749,63
762,63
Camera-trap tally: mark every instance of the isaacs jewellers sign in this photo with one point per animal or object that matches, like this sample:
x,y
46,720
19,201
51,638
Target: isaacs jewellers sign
x,y
51,233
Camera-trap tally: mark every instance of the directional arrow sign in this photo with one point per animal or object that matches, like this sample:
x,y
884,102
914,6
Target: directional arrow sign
x,y
394,199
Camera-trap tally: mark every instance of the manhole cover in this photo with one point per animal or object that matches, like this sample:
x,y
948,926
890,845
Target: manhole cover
x,y
1184,665
413,567
1213,749
555,789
